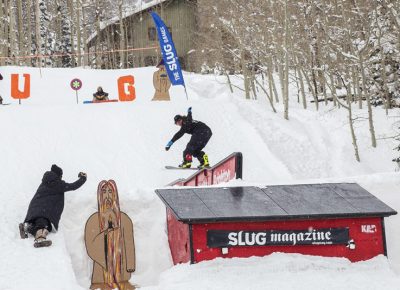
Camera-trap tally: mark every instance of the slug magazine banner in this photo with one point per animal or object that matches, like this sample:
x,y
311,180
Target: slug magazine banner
x,y
222,239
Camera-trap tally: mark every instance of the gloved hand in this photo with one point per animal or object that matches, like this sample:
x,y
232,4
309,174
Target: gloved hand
x,y
82,174
169,144
189,110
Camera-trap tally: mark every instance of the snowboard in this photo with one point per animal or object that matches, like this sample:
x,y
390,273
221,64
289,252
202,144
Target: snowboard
x,y
177,167
99,102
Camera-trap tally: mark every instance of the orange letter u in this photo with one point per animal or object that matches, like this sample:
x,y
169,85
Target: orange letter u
x,y
15,92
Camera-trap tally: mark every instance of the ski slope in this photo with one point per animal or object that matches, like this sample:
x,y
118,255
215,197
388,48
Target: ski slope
x,y
125,142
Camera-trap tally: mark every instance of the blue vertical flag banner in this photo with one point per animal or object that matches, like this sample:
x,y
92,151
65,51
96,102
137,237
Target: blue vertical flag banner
x,y
168,51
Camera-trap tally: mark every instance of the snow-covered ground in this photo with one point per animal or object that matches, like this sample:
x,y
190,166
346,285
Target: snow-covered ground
x,y
125,142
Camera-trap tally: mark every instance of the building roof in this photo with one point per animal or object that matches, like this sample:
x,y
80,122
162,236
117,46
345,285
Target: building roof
x,y
140,6
278,202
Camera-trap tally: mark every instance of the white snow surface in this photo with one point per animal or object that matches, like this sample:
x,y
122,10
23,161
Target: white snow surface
x,y
125,142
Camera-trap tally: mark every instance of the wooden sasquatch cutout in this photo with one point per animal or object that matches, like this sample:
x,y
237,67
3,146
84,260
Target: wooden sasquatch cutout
x,y
109,241
161,84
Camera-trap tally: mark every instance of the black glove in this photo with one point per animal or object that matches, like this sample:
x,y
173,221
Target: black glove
x,y
189,110
82,174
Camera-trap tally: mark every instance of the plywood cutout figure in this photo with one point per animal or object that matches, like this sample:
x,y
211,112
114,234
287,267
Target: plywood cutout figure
x,y
161,83
109,241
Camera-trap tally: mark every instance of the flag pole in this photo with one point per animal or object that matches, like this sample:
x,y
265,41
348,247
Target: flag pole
x,y
187,97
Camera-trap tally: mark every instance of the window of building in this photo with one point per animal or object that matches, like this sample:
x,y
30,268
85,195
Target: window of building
x,y
150,60
152,33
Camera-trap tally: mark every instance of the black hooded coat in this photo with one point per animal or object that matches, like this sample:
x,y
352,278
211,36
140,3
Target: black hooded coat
x,y
48,201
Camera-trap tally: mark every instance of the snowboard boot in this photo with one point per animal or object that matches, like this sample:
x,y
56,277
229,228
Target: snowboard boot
x,y
40,239
23,230
185,164
187,161
204,163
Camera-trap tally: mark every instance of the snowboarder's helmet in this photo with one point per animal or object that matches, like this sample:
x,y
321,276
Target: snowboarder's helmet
x,y
177,118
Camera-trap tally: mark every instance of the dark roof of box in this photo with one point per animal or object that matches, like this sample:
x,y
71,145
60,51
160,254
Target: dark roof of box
x,y
278,202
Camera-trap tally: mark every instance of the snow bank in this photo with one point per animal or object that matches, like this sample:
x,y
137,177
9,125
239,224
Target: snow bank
x,y
125,142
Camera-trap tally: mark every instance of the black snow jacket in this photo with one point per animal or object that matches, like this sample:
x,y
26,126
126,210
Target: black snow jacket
x,y
101,96
48,201
191,126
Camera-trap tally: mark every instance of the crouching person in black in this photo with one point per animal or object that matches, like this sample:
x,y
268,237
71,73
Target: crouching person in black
x,y
47,205
201,134
100,95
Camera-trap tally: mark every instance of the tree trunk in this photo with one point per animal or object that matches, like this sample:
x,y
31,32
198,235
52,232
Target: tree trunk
x,y
2,33
351,121
78,31
311,89
38,40
356,86
281,75
86,59
122,45
271,81
270,98
333,90
98,36
7,27
303,94
368,100
323,85
229,82
12,34
246,76
73,31
29,33
21,44
353,135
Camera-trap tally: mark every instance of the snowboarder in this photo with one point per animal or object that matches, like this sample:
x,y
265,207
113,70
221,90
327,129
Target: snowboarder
x,y
1,77
100,95
201,134
47,205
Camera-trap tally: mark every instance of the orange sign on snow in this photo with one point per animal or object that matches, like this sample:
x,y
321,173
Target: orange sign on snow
x,y
126,89
15,92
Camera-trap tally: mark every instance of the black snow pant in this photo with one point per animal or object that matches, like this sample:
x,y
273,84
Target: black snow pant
x,y
38,224
194,148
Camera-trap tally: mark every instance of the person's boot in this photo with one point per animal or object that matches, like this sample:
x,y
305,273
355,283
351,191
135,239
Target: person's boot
x,y
204,162
23,230
187,161
40,239
185,164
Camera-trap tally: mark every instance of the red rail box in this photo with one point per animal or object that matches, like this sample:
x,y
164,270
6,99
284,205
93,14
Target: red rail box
x,y
227,169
